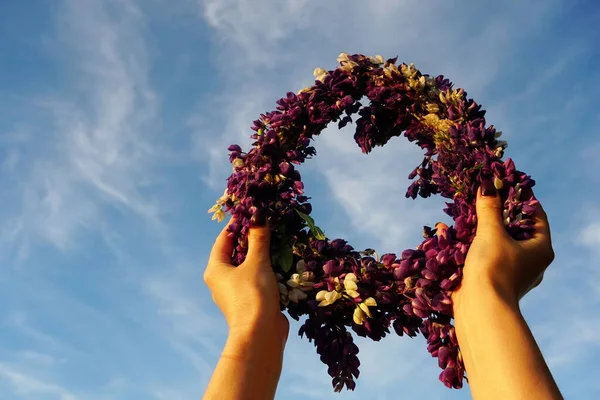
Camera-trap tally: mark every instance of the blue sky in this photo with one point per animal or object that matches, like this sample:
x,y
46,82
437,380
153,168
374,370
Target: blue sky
x,y
115,119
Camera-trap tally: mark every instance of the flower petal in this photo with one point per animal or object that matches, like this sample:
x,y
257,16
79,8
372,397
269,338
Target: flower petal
x,y
301,266
366,310
359,316
282,288
321,295
370,302
297,295
350,285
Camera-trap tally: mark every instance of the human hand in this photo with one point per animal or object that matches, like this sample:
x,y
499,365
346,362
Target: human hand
x,y
247,294
496,261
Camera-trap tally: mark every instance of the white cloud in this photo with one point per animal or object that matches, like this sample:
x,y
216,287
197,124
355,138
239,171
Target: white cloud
x,y
275,49
291,41
590,236
98,163
99,146
27,386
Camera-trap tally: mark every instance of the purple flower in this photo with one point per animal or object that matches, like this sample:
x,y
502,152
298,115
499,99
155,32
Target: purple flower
x,y
362,291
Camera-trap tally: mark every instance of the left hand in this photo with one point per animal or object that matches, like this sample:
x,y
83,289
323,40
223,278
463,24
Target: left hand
x,y
247,294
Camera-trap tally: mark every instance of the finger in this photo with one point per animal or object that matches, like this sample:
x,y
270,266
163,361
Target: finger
x,y
259,240
542,226
223,248
489,211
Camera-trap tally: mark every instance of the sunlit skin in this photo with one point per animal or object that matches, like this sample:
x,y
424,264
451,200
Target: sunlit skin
x,y
501,356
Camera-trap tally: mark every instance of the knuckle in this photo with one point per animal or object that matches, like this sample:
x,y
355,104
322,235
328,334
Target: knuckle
x,y
549,255
259,234
207,277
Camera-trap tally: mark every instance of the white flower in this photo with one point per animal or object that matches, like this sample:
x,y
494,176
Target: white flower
x,y
298,281
219,214
307,276
294,281
343,57
296,295
282,289
301,266
283,293
378,59
223,199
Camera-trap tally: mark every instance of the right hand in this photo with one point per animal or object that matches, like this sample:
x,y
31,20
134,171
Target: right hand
x,y
247,294
511,267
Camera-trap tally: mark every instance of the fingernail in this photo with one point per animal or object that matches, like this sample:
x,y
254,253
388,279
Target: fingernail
x,y
488,188
259,218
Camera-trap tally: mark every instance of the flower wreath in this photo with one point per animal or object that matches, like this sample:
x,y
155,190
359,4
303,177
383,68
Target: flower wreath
x,y
327,280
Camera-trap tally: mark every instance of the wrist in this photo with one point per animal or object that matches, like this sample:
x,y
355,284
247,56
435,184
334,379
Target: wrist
x,y
258,342
472,296
261,329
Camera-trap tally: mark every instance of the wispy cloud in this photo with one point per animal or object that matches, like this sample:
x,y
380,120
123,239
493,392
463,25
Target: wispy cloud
x,y
484,48
116,119
591,235
27,386
99,147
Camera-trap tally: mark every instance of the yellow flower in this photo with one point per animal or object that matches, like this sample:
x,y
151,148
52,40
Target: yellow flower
x,y
306,89
433,108
409,71
327,298
238,162
359,316
391,70
320,74
498,183
350,285
362,312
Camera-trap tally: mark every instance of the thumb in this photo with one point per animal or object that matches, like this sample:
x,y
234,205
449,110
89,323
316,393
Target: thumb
x,y
259,240
489,210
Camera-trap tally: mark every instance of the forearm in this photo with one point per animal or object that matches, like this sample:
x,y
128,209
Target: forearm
x,y
249,368
501,356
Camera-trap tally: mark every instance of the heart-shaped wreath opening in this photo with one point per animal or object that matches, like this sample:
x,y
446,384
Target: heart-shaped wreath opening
x,y
335,286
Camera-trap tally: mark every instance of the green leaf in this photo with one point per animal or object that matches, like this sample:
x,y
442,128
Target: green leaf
x,y
316,231
286,257
281,229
